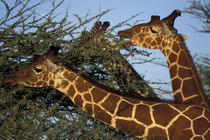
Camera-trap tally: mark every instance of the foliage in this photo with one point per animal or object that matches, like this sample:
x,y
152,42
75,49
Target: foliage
x,y
45,113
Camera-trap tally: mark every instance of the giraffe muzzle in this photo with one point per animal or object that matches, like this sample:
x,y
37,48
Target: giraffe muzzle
x,y
10,80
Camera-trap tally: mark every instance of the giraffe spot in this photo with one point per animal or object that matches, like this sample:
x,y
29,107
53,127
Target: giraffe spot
x,y
197,138
173,71
45,77
155,47
189,87
163,51
33,85
175,47
82,85
183,60
71,91
110,103
194,100
102,115
33,79
130,127
166,43
157,133
143,115
180,128
174,134
69,75
172,57
163,114
207,135
87,97
158,41
200,126
124,109
178,98
167,52
144,45
153,43
176,84
193,112
163,44
148,40
51,82
64,83
169,44
78,100
98,94
135,38
183,73
89,109
40,83
180,107
187,134
45,84
207,113
148,103
141,39
131,100
137,30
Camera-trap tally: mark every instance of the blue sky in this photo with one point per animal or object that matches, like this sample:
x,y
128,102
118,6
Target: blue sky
x,y
123,9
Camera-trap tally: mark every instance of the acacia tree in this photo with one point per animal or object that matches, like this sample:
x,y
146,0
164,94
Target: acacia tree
x,y
45,113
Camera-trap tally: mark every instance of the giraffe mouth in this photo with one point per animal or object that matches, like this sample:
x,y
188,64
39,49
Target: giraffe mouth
x,y
10,80
124,34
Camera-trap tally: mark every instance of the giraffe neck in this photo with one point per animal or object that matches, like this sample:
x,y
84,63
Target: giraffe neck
x,y
186,84
136,117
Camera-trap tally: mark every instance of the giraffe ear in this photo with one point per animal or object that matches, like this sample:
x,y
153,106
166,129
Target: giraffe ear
x,y
165,30
52,67
53,51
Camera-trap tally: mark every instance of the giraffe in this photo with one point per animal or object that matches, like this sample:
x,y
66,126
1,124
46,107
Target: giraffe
x,y
128,72
160,34
144,119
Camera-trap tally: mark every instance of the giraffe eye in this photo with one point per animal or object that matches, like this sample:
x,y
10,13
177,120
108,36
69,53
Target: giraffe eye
x,y
38,70
153,31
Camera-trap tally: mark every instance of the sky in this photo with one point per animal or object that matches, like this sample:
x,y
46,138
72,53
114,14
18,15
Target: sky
x,y
197,43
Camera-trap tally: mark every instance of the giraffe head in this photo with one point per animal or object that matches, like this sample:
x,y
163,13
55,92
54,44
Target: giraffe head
x,y
153,34
99,27
45,70
38,72
99,30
